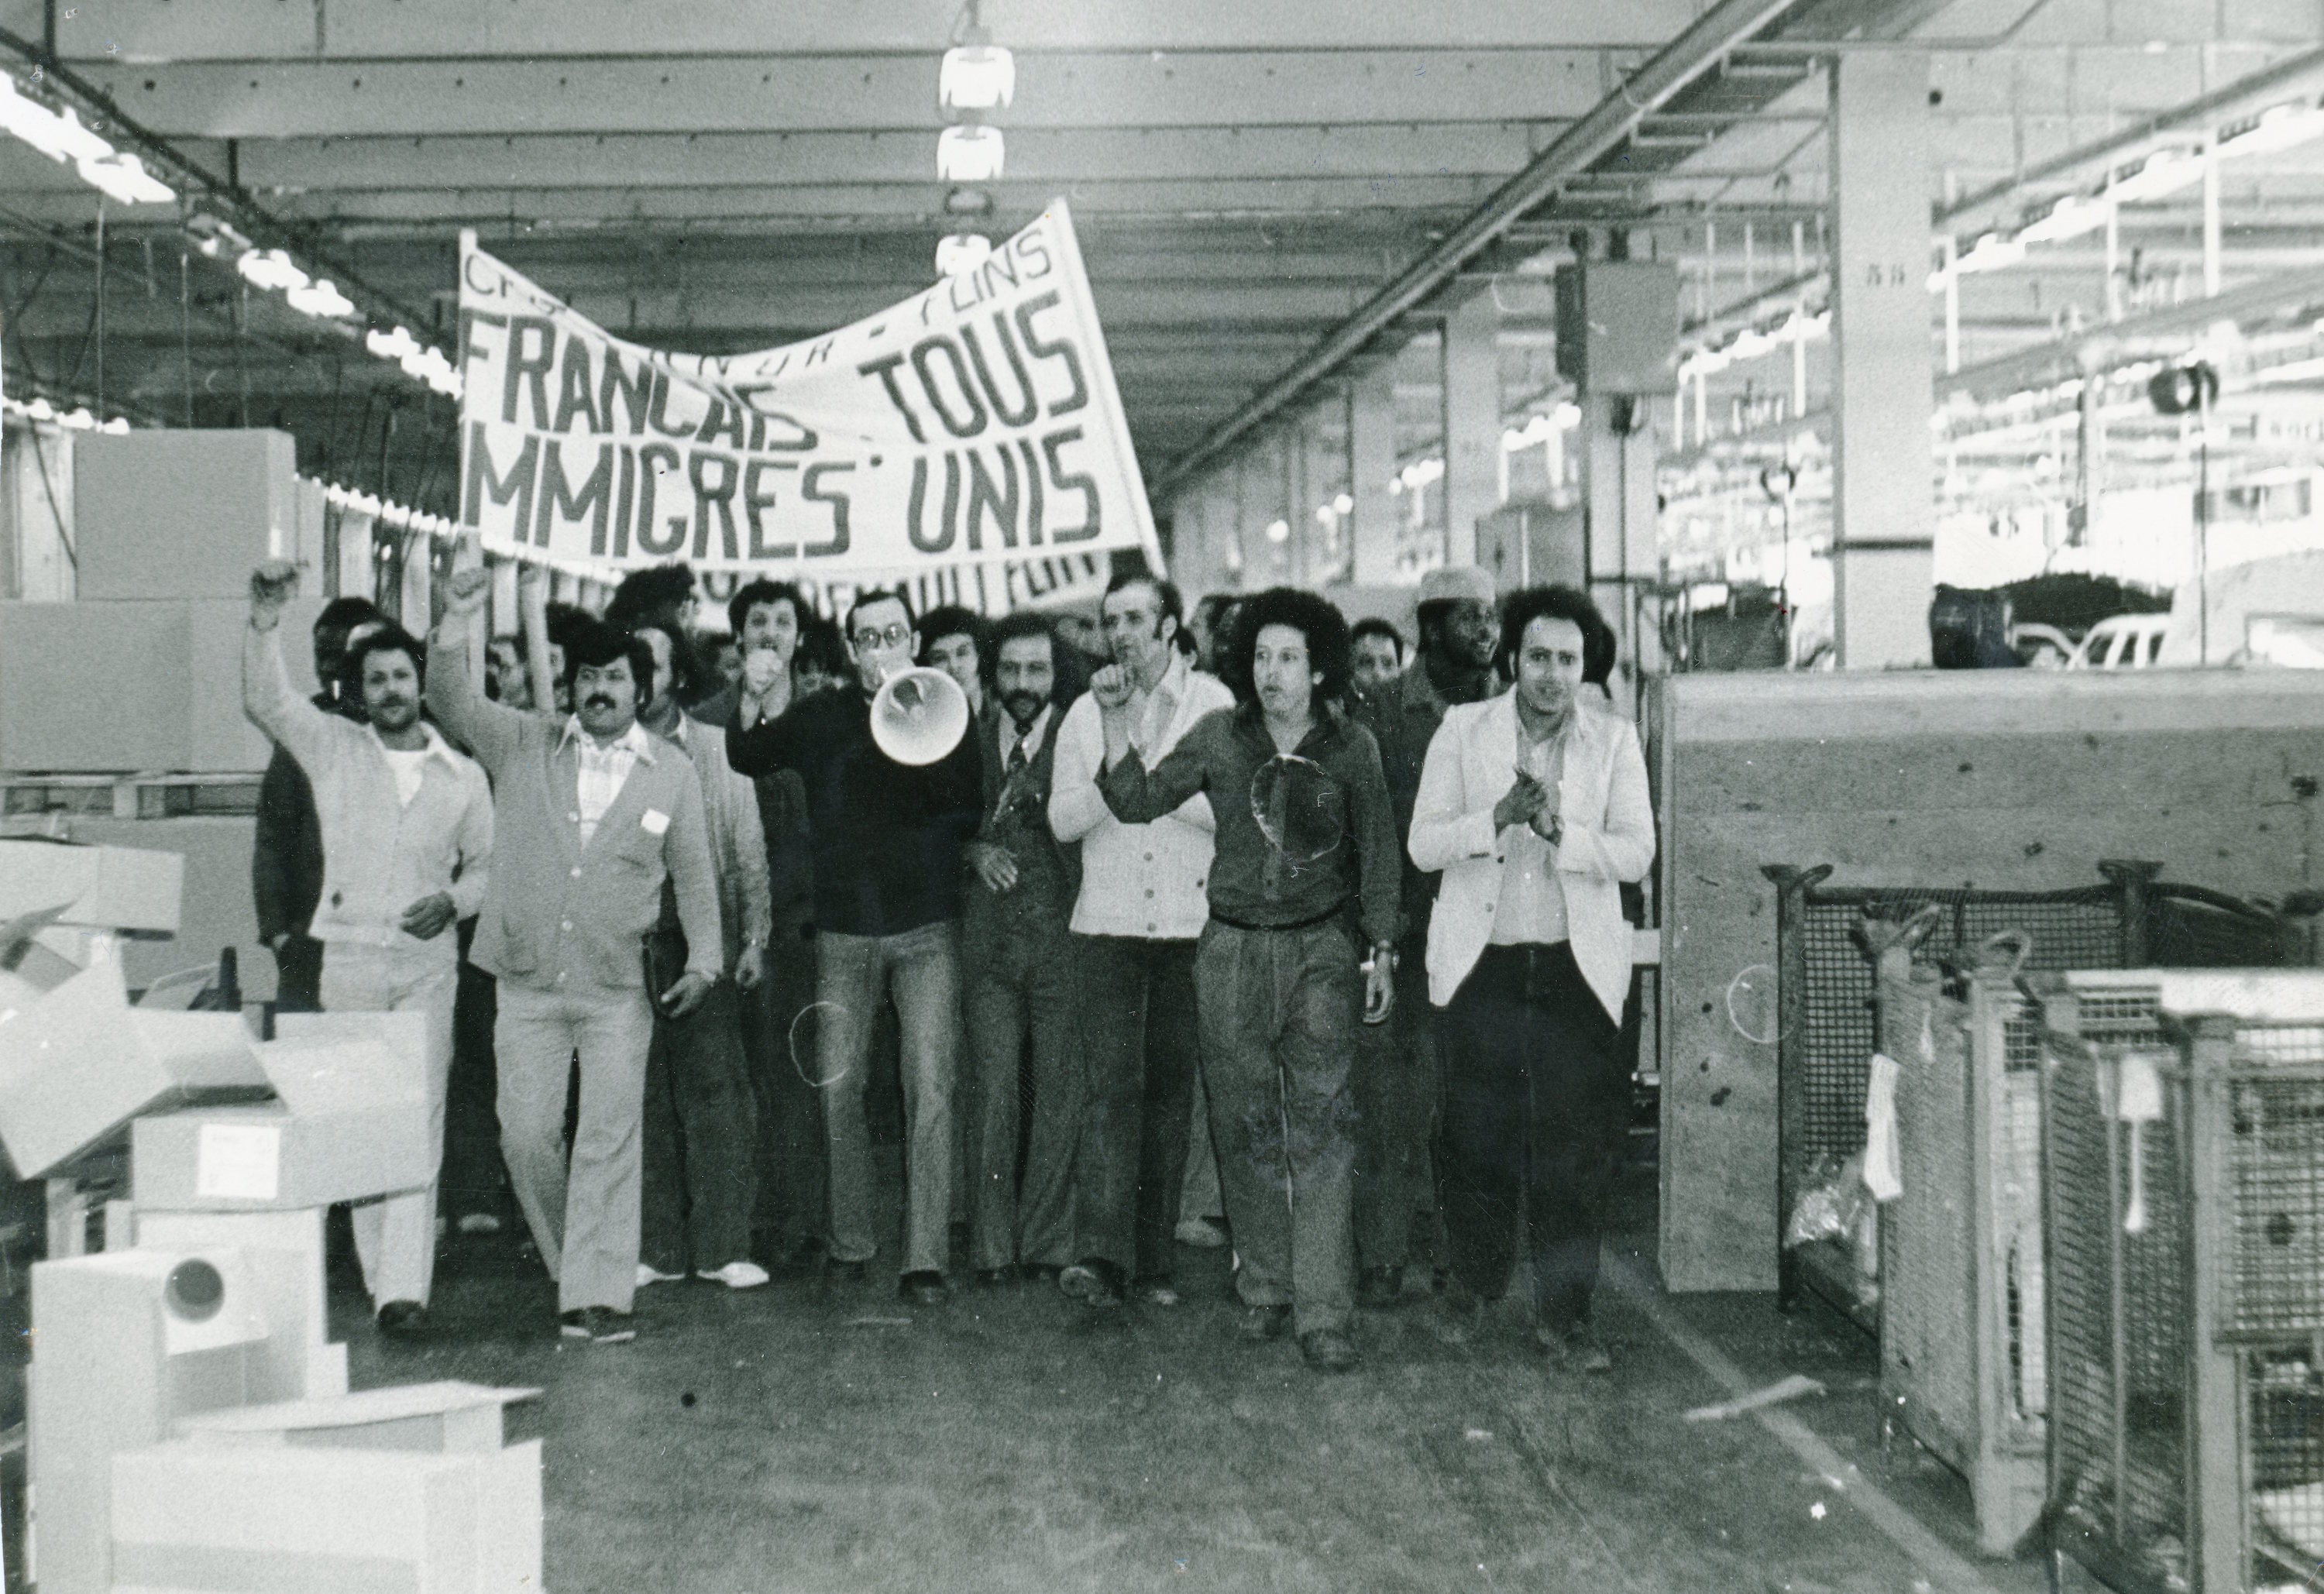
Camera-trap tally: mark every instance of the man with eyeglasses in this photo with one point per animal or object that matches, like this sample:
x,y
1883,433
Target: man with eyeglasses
x,y
887,840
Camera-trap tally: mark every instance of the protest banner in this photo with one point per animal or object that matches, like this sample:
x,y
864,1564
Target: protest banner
x,y
975,424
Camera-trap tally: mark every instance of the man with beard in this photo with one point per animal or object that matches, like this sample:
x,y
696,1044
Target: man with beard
x,y
1016,963
1534,804
1394,1079
407,829
1135,920
594,816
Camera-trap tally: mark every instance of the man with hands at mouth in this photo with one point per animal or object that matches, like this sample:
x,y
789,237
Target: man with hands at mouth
x,y
407,830
594,816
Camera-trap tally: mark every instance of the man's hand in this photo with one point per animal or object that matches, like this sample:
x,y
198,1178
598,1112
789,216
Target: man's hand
x,y
1380,985
1110,687
430,917
766,689
531,579
681,999
1547,824
1520,802
994,866
465,594
749,966
271,586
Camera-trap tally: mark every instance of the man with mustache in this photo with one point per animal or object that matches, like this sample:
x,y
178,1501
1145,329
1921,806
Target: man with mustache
x,y
407,828
1017,961
595,815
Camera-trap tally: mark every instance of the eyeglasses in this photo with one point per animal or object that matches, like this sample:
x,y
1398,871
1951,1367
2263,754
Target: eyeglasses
x,y
895,636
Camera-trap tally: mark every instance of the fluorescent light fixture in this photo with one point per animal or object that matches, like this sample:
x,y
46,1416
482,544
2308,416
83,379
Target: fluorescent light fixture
x,y
2070,217
322,300
1990,253
2165,171
124,177
117,427
970,153
271,268
2279,127
960,252
1278,531
1325,514
78,420
1344,505
397,344
1420,472
976,78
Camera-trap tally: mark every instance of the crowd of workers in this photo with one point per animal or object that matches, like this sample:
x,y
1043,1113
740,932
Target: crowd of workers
x,y
1229,927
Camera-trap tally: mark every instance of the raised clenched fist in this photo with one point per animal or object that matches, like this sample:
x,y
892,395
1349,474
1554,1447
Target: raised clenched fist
x,y
272,585
467,593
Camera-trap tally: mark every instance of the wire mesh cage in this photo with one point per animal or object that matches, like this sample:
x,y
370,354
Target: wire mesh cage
x,y
1826,1030
2182,1172
1962,1362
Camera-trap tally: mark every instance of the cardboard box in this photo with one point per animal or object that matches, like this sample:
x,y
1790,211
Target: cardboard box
x,y
330,1062
216,911
102,887
182,514
150,684
286,1256
448,1417
201,1051
73,1070
268,1159
262,1517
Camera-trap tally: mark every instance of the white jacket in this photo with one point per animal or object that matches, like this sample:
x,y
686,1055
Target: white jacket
x,y
1609,838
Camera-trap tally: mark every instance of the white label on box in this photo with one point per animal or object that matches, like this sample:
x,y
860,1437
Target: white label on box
x,y
238,1161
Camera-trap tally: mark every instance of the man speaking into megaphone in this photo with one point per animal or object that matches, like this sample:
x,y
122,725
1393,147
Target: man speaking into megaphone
x,y
886,828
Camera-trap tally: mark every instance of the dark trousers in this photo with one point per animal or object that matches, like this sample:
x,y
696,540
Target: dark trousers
x,y
473,1181
701,1136
1280,1012
1535,1099
778,1041
298,975
1138,1035
1395,1088
1019,986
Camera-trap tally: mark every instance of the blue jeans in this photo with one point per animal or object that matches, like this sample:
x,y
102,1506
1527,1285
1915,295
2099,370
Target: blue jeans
x,y
922,969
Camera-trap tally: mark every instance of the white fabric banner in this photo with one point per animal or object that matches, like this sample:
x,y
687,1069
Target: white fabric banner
x,y
976,424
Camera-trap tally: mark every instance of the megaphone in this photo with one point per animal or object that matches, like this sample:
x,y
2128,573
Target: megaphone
x,y
918,716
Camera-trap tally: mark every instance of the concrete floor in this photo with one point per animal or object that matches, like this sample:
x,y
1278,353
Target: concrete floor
x,y
813,1437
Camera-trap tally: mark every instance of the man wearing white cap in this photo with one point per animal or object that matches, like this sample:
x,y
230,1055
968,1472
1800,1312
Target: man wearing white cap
x,y
1395,1076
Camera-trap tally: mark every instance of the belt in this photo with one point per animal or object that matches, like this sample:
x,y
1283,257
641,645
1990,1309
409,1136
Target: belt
x,y
1324,918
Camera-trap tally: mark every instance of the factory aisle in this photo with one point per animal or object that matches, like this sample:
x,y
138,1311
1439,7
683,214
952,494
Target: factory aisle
x,y
811,1437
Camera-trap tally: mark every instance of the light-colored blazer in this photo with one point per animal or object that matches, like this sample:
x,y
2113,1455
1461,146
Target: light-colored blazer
x,y
1609,838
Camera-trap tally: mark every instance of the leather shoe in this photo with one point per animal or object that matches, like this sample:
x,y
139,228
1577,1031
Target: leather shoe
x,y
403,1320
991,1278
924,1288
1328,1351
845,1271
600,1325
1094,1282
1379,1286
1575,1347
1261,1323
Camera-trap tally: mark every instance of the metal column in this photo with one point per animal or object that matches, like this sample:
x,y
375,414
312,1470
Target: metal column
x,y
1473,424
1371,466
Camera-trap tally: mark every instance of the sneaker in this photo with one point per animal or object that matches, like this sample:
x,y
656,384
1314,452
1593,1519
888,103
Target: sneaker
x,y
403,1320
650,1274
1156,1292
1328,1351
1261,1323
1205,1233
600,1325
738,1274
478,1223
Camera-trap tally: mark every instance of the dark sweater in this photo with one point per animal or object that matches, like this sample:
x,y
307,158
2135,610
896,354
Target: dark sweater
x,y
885,838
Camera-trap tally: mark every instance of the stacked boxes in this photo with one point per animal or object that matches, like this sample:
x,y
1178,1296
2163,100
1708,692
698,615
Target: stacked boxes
x,y
143,672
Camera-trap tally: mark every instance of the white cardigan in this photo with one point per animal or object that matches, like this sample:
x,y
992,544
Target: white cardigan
x,y
1609,838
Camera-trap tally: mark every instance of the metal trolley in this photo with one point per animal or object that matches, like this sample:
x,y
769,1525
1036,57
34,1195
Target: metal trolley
x,y
2183,1197
1962,1359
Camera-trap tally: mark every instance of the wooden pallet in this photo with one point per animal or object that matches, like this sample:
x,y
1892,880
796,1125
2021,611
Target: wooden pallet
x,y
140,795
